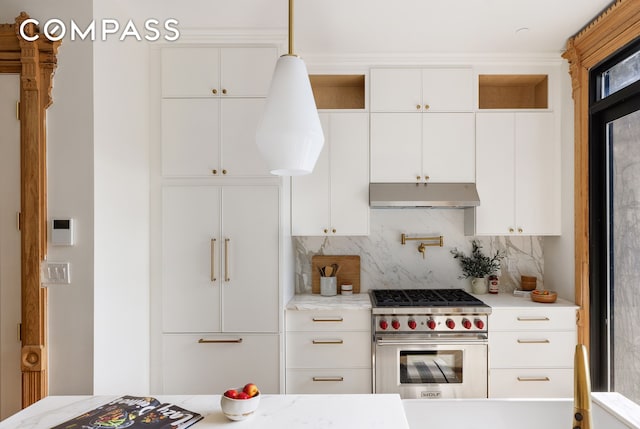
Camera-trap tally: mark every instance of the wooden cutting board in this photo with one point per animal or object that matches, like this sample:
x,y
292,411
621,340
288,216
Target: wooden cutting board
x,y
349,270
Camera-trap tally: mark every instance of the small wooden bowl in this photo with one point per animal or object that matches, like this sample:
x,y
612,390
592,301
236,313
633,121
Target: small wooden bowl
x,y
544,296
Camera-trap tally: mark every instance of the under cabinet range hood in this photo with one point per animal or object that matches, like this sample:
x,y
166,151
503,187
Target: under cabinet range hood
x,y
416,195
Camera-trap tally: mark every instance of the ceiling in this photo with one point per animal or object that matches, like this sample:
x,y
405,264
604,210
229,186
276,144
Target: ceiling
x,y
442,27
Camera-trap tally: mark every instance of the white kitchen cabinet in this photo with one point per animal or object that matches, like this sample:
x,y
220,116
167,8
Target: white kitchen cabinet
x,y
517,173
334,199
205,364
328,351
414,147
212,102
421,89
220,258
531,351
189,72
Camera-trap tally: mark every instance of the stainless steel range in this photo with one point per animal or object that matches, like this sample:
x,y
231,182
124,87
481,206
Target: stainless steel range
x,y
429,343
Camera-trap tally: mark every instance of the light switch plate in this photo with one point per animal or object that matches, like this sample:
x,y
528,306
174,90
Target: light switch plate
x,y
56,273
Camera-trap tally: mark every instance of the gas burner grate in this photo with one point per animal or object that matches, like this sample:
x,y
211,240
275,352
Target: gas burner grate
x,y
423,298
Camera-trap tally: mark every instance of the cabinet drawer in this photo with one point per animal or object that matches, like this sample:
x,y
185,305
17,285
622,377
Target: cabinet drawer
x,y
532,349
534,319
194,367
328,320
531,383
323,381
328,350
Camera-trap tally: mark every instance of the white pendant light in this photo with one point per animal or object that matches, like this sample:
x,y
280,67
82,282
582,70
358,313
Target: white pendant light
x,y
290,136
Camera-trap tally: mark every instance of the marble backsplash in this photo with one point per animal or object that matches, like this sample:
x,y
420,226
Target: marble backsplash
x,y
386,263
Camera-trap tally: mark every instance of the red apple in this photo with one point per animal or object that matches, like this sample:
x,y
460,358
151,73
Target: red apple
x,y
250,389
231,393
243,395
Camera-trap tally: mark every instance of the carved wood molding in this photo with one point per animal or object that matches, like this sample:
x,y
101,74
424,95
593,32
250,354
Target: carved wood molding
x,y
617,26
36,62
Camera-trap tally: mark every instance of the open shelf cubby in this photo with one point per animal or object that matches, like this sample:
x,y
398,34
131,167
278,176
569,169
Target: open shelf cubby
x,y
513,91
338,91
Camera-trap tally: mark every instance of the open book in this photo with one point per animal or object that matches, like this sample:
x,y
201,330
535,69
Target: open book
x,y
133,412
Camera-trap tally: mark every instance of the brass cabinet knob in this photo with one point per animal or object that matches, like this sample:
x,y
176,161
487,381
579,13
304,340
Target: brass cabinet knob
x,y
417,177
520,230
426,107
215,91
426,177
224,171
224,91
214,171
418,106
333,230
510,229
325,230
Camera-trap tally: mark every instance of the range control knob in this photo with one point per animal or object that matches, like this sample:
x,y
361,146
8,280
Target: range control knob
x,y
466,323
450,324
395,324
431,324
383,324
479,323
412,324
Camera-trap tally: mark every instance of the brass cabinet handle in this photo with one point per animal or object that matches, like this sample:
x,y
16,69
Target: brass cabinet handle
x,y
214,91
333,230
328,378
223,341
418,177
224,171
520,230
224,91
328,319
533,378
426,177
426,107
418,106
532,319
214,171
327,341
533,341
226,259
325,230
510,229
213,259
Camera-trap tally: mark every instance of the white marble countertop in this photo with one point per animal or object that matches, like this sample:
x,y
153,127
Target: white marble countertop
x,y
357,301
505,300
274,411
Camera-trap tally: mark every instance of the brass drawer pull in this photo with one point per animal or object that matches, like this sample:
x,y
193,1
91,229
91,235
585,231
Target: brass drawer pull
x,y
327,341
225,341
328,378
532,319
328,319
533,379
226,260
533,341
213,260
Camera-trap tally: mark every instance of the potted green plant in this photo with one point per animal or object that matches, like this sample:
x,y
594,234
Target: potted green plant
x,y
478,266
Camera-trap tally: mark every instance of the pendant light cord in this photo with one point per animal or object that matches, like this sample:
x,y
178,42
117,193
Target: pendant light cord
x,y
291,27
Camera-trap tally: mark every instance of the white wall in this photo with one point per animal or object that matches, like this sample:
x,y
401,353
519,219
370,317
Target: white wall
x,y
559,251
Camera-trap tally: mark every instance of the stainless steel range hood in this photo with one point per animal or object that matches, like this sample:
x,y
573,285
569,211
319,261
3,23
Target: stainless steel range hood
x,y
416,195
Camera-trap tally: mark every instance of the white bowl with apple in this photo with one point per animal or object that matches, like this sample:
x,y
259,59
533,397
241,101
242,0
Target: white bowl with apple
x,y
241,402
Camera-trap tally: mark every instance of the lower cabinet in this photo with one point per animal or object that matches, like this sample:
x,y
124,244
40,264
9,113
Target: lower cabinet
x,y
328,351
203,364
531,352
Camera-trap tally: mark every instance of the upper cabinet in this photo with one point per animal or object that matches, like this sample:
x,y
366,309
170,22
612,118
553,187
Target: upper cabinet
x,y
421,90
217,72
334,199
212,101
518,173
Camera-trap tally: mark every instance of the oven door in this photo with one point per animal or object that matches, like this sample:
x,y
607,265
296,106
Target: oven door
x,y
431,369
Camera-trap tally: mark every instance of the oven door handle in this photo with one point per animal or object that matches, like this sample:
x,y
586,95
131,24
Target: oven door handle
x,y
480,339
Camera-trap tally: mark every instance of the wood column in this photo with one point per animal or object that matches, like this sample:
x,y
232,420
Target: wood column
x,y
613,29
35,61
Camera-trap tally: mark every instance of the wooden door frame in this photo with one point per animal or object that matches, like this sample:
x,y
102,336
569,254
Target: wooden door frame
x,y
617,26
35,62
